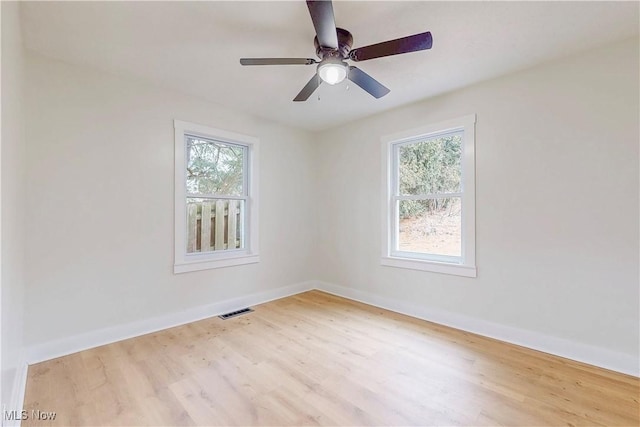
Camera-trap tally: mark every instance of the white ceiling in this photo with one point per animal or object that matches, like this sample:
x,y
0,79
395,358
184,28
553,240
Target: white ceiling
x,y
194,47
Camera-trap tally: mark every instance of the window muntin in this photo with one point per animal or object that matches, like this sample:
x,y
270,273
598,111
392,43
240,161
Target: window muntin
x,y
429,211
216,198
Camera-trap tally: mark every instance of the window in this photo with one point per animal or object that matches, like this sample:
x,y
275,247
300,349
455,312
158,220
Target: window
x,y
215,198
429,211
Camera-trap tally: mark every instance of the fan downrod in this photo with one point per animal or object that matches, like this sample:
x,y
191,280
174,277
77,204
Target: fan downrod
x,y
345,41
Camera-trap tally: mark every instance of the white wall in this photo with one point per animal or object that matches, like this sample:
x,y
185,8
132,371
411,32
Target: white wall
x,y
100,202
557,211
557,202
12,200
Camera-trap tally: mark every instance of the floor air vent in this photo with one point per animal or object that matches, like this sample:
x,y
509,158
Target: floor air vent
x,y
235,313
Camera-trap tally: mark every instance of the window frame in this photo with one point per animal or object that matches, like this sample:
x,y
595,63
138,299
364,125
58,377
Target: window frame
x,y
186,262
464,265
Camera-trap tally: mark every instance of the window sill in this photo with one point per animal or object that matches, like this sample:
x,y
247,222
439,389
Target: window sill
x,y
435,267
206,264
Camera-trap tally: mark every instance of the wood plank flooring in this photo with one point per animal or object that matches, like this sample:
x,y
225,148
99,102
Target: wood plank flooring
x,y
317,359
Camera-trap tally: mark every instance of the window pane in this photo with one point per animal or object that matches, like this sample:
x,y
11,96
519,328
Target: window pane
x,y
215,225
430,166
214,167
430,226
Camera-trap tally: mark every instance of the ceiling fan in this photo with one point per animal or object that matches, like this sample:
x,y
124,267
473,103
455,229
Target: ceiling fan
x,y
333,47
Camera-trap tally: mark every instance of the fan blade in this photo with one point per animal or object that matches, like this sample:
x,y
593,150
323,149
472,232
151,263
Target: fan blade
x,y
308,89
321,12
277,61
368,83
407,44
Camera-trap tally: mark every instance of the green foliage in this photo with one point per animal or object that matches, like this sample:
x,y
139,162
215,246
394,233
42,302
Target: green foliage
x,y
429,167
214,167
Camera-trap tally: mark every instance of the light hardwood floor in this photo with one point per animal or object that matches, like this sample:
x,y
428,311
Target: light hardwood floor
x,y
316,359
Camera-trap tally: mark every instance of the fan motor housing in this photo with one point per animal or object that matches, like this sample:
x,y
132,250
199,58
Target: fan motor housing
x,y
345,41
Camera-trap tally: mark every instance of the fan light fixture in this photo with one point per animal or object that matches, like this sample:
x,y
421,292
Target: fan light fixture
x,y
332,71
333,48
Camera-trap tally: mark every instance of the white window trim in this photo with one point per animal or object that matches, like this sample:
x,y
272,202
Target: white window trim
x,y
184,262
390,258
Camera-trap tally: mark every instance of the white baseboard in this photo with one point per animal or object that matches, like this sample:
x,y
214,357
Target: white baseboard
x,y
592,355
73,344
585,353
16,401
